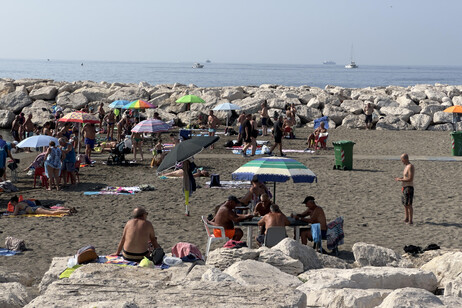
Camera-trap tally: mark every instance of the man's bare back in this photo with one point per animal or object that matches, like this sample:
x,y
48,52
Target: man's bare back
x,y
137,234
274,220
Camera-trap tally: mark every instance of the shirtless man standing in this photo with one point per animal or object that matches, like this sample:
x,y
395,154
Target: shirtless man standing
x,y
89,133
407,188
28,128
15,126
226,217
264,118
256,190
110,120
275,218
101,115
368,110
213,124
240,120
138,232
317,215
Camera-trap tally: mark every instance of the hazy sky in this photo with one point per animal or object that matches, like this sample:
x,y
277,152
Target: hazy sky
x,y
405,32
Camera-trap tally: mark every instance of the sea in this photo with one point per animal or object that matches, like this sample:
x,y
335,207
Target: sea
x,y
231,74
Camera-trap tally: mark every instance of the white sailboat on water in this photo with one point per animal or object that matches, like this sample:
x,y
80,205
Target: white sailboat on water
x,y
352,63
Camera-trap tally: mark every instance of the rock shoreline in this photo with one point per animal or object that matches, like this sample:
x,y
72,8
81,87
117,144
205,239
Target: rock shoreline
x,y
287,275
417,107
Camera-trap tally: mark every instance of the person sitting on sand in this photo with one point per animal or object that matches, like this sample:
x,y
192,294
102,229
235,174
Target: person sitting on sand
x,y
255,191
263,207
38,162
226,217
137,235
34,207
317,215
275,218
315,134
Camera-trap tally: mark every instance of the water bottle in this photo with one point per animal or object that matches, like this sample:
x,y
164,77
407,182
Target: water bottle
x,y
71,262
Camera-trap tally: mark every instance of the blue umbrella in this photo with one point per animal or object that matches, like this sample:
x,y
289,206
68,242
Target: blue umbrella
x,y
37,141
118,104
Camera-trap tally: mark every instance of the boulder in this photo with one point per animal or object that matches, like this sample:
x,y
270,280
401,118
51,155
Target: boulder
x,y
446,267
296,250
190,117
368,277
430,108
277,103
250,104
15,101
411,298
328,261
386,102
441,117
454,287
232,94
336,114
98,94
159,99
435,95
441,127
48,93
417,96
307,114
353,106
40,115
314,103
251,272
373,255
71,100
13,294
406,102
57,266
214,274
197,271
6,87
346,298
281,261
354,121
402,113
392,123
222,258
129,94
457,100
6,118
421,121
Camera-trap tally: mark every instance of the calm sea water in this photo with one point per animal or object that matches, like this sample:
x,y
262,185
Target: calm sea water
x,y
221,74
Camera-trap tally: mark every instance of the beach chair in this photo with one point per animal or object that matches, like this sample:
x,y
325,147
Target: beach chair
x,y
335,234
274,235
317,238
321,141
40,173
210,236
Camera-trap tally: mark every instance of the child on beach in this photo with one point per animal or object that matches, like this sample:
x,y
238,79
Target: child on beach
x,y
158,153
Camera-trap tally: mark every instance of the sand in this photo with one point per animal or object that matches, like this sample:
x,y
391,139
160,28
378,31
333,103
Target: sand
x,y
368,198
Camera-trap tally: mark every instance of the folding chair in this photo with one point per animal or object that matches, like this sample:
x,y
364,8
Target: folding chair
x,y
321,141
210,236
274,235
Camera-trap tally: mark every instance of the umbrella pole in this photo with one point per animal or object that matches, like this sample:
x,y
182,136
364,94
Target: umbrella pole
x,y
274,193
78,141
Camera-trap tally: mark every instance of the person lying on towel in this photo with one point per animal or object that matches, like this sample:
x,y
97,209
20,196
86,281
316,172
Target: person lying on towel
x,y
33,207
138,234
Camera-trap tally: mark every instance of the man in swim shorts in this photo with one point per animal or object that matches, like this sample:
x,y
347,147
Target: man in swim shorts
x,y
226,217
138,233
89,133
407,189
264,118
368,110
317,215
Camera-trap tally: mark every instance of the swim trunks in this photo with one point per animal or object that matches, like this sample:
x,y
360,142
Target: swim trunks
x,y
90,142
369,118
261,238
110,124
264,121
135,257
408,195
101,116
159,152
212,130
229,233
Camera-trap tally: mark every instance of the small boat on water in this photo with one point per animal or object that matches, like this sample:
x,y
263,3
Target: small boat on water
x,y
351,65
328,62
198,65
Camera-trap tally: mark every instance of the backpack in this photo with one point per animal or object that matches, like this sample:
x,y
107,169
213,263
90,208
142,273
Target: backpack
x,y
15,244
157,256
86,254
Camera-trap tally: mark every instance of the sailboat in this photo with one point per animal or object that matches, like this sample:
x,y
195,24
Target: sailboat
x,y
352,63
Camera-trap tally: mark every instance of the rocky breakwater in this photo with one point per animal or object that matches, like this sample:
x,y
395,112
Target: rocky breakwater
x,y
395,108
286,275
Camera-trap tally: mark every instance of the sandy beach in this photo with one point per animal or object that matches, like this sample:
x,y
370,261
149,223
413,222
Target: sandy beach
x,y
368,198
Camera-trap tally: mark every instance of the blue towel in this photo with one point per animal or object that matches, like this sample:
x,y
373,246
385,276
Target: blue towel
x,y
8,253
316,232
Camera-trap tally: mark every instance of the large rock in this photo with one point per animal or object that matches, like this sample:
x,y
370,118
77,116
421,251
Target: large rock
x,y
6,118
441,127
421,121
13,294
392,123
129,94
250,272
430,109
48,93
406,102
232,94
457,100
368,278
354,121
373,255
57,266
400,112
296,250
417,96
307,114
71,100
353,106
336,114
346,298
6,87
96,93
15,101
280,260
454,287
435,95
411,298
214,274
447,267
328,261
223,258
441,117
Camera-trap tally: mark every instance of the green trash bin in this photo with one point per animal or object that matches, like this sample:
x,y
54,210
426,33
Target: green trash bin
x,y
456,143
343,150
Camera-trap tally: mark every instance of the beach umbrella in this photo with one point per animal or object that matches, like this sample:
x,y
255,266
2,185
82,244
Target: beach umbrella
x,y
80,117
454,109
151,126
275,169
139,104
227,107
118,104
189,99
182,152
37,141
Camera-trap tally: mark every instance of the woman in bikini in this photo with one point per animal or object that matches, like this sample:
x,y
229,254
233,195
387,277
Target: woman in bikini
x,y
137,141
33,207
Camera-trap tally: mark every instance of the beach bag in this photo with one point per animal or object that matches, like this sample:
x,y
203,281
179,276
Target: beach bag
x,y
15,244
86,254
157,256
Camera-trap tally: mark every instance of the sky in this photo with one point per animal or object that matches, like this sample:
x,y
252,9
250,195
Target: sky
x,y
405,32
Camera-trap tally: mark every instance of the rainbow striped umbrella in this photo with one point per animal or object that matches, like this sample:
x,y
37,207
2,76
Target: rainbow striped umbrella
x,y
80,117
151,126
275,169
139,104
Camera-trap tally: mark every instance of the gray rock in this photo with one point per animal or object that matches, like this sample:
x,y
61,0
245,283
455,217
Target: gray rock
x,y
441,117
454,287
6,87
40,115
251,272
57,266
307,114
435,95
457,100
392,123
353,106
15,101
6,118
373,255
223,258
441,127
386,102
336,114
446,267
411,298
214,274
276,103
296,250
417,96
421,121
13,294
406,102
431,108
346,298
48,93
328,261
97,93
314,103
281,261
232,94
354,121
400,112
71,100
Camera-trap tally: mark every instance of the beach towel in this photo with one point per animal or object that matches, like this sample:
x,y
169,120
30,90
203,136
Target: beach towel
x,y
34,215
335,233
298,151
183,249
8,253
93,193
230,184
249,152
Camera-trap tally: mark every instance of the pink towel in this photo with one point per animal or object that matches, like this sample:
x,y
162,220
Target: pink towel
x,y
183,249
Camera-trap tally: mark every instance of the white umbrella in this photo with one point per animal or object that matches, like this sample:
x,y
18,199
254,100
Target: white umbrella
x,y
37,141
227,107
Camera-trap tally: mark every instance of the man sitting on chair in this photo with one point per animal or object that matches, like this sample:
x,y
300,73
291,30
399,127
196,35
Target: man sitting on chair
x,y
226,217
275,218
317,215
